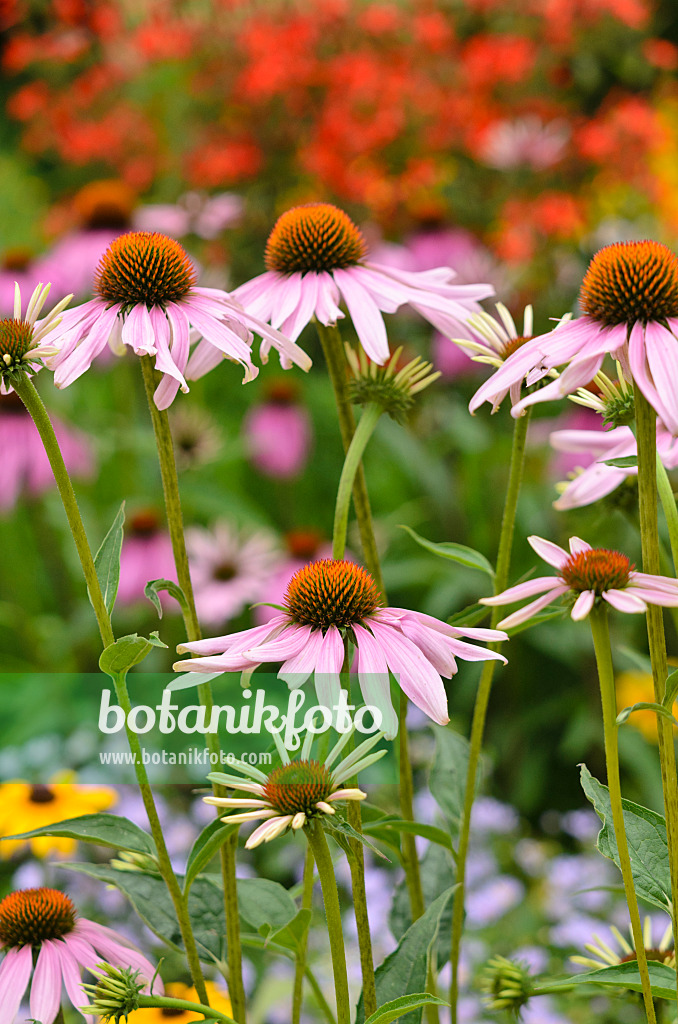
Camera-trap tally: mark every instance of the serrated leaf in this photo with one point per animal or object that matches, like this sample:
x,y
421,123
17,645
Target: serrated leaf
x,y
662,979
208,843
646,838
398,1007
625,462
404,971
153,587
119,657
340,829
101,829
458,553
107,560
670,690
643,705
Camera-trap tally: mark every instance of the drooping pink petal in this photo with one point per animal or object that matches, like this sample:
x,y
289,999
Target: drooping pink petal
x,y
583,605
263,831
328,667
521,590
288,299
367,319
575,376
295,671
70,973
137,331
14,974
327,302
294,323
655,596
523,614
373,679
415,674
645,579
661,351
625,601
46,985
178,352
241,640
548,551
115,951
68,369
260,295
289,643
638,364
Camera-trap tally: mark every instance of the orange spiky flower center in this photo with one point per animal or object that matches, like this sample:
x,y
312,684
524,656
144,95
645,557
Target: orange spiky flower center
x,y
297,787
331,592
144,268
598,570
513,344
630,281
16,339
317,237
32,916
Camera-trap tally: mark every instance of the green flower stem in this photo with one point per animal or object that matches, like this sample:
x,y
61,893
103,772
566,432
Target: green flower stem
x,y
601,643
300,965
646,433
323,1005
25,389
323,858
167,1003
483,696
370,417
409,848
170,486
668,501
164,862
335,358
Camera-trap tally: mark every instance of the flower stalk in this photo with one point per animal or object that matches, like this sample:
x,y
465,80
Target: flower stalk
x,y
352,465
515,477
649,539
170,486
300,960
323,858
601,643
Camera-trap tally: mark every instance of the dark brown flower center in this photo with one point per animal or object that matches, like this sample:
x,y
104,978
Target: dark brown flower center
x,y
598,570
630,281
297,787
105,204
317,237
144,523
41,794
144,268
331,593
224,572
32,916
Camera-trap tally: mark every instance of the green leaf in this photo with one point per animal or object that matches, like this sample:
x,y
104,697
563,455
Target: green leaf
x,y
380,829
102,829
398,1007
119,657
662,979
265,905
646,838
448,774
153,587
643,705
625,462
470,616
149,896
107,560
208,843
341,832
292,936
458,553
404,971
438,873
670,690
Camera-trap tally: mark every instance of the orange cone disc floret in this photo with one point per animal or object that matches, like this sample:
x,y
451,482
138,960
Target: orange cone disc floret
x,y
513,344
144,267
331,593
598,570
16,339
297,787
32,916
630,281
317,237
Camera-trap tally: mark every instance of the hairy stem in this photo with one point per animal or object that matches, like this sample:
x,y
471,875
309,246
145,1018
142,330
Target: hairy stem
x,y
323,858
483,696
601,643
300,964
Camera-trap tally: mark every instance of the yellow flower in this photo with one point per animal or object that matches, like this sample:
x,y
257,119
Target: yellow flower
x,y
25,807
634,687
217,996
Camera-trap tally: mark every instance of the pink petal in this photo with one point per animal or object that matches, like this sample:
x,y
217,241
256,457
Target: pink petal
x,y
373,679
180,344
548,551
625,601
646,579
295,671
639,366
327,300
46,986
415,675
578,546
241,640
575,376
288,299
301,316
14,974
115,950
367,319
661,352
655,596
80,360
291,641
521,590
523,614
328,667
583,605
72,981
137,331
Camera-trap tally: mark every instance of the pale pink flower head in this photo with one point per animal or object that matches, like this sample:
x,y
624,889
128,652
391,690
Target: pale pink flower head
x,y
194,213
147,300
146,555
43,924
229,570
303,546
317,257
525,141
24,341
25,468
590,575
332,601
629,299
20,267
278,433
